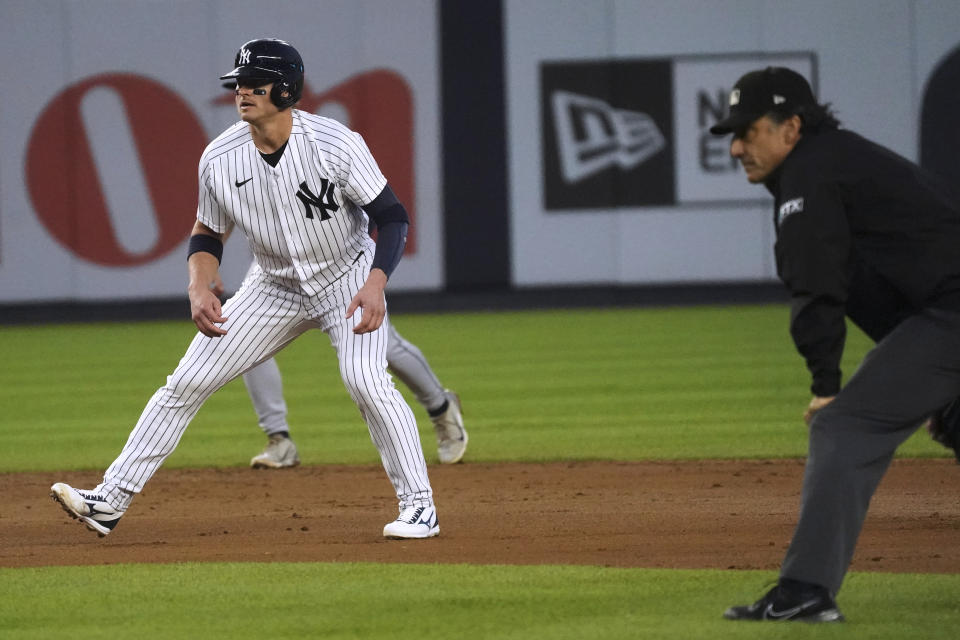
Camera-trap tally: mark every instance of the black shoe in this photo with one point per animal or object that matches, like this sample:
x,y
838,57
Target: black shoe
x,y
944,427
811,604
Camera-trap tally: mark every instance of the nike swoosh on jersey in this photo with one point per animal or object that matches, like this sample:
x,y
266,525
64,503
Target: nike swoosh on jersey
x,y
240,184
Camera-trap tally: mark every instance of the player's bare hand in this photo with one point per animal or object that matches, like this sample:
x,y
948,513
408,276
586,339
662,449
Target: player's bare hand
x,y
816,403
370,299
217,286
206,312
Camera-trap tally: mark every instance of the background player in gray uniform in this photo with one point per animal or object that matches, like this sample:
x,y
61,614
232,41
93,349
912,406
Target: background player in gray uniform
x,y
299,187
404,360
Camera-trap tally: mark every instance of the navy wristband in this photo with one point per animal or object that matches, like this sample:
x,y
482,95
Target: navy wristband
x,y
203,242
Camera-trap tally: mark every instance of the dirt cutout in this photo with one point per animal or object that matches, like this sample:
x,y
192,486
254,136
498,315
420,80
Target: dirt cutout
x,y
700,514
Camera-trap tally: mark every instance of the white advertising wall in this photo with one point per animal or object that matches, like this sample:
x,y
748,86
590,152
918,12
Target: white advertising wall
x,y
613,178
109,104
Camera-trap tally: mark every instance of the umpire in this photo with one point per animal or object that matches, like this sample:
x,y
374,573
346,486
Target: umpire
x,y
865,233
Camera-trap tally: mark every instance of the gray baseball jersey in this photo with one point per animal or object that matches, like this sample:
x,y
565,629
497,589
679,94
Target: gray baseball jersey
x,y
305,227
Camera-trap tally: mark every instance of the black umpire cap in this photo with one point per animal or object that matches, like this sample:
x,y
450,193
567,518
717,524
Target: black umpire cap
x,y
759,92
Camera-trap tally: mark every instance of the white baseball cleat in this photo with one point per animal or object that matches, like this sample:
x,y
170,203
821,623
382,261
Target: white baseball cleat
x,y
413,522
451,436
280,453
87,506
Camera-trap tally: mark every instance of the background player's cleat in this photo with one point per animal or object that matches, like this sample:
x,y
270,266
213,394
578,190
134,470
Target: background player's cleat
x,y
413,522
451,436
803,605
280,453
88,507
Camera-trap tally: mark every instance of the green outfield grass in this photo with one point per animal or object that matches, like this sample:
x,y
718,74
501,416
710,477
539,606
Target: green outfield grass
x,y
627,384
624,384
373,601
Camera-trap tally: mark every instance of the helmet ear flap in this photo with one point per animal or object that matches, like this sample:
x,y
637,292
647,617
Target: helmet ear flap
x,y
276,94
284,86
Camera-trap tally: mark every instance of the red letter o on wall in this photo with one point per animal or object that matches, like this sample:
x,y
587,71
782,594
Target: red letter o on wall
x,y
65,188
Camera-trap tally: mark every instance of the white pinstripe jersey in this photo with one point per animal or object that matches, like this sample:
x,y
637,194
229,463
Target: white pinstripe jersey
x,y
302,218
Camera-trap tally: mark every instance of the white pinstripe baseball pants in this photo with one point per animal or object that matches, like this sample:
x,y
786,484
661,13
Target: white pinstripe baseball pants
x,y
262,319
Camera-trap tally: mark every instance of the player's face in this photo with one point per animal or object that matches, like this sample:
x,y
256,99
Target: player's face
x,y
762,146
253,100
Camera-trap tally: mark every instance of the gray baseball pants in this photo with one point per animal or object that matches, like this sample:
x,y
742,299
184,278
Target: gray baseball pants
x,y
906,377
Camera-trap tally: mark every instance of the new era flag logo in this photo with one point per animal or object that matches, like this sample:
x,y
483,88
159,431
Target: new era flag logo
x,y
592,135
607,131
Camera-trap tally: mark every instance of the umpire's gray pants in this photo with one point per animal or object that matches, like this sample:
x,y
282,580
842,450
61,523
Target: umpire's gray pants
x,y
909,375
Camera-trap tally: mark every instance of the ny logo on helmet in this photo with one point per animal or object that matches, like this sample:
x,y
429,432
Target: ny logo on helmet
x,y
244,56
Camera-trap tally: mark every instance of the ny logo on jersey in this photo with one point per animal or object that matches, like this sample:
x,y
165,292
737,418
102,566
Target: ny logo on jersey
x,y
244,56
324,202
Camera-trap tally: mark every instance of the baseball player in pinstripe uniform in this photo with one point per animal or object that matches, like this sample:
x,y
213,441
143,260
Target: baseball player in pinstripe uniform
x,y
300,188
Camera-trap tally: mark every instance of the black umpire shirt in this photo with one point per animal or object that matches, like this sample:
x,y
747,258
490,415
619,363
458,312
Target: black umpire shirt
x,y
864,232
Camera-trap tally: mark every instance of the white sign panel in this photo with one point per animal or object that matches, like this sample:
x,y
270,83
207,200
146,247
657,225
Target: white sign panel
x,y
701,96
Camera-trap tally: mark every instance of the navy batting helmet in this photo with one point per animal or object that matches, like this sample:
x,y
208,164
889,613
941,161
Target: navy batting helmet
x,y
271,60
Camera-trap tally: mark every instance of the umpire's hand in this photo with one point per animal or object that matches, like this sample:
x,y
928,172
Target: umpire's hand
x,y
816,403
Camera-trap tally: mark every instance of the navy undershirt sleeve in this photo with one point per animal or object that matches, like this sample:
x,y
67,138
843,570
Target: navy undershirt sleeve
x,y
392,223
391,239
385,200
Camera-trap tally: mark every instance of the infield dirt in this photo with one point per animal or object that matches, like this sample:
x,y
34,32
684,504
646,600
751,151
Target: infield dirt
x,y
699,514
